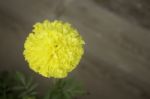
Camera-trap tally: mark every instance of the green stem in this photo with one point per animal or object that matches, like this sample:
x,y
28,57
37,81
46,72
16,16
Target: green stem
x,y
55,81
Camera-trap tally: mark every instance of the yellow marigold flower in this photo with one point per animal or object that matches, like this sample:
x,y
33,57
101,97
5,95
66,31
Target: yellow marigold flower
x,y
53,49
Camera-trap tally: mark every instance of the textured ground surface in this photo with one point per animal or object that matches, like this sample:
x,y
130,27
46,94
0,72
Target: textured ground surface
x,y
116,61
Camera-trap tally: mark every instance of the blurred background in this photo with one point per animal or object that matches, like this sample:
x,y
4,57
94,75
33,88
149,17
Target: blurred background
x,y
116,63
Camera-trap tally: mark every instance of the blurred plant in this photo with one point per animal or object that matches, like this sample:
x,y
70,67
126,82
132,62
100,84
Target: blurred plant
x,y
52,49
20,86
24,86
16,86
65,89
6,83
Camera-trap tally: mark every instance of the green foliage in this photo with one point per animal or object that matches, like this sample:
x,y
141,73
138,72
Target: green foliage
x,y
24,86
65,89
16,86
6,83
19,86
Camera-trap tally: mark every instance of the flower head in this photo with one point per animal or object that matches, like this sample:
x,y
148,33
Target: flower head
x,y
53,49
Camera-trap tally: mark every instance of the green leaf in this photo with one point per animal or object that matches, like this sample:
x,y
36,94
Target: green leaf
x,y
73,88
29,82
18,88
66,95
48,94
65,89
21,78
32,88
33,93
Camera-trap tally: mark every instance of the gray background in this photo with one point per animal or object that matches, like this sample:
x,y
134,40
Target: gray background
x,y
116,63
